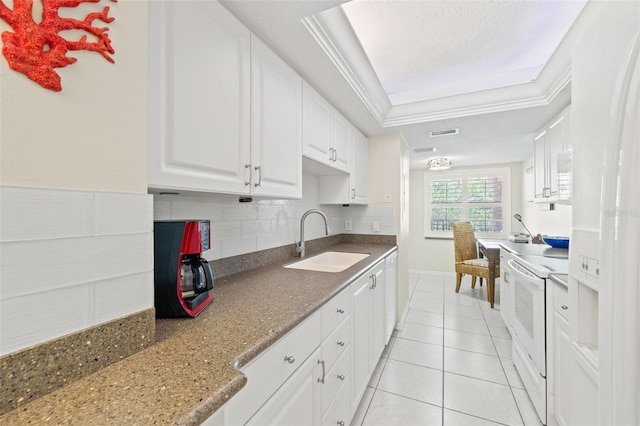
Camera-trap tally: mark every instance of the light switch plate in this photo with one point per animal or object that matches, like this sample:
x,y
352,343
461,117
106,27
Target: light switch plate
x,y
376,226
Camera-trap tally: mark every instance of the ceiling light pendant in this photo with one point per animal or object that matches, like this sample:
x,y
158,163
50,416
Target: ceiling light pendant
x,y
440,163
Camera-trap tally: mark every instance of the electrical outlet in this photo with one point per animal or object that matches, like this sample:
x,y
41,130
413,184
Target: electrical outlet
x,y
347,225
375,225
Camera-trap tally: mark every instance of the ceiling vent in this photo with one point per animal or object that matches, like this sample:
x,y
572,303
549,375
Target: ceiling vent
x,y
423,150
447,132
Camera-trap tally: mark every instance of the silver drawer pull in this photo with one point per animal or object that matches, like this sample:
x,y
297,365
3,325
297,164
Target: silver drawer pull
x,y
341,376
290,359
340,423
341,311
565,307
340,343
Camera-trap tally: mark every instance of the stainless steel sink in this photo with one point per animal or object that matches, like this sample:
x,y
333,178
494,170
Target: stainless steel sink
x,y
330,261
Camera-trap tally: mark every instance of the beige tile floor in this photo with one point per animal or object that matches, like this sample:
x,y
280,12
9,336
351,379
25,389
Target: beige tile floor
x,y
449,365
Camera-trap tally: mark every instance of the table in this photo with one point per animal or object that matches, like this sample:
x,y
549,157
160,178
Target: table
x,y
491,250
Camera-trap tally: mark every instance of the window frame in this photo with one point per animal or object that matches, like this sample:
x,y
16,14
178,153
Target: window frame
x,y
465,174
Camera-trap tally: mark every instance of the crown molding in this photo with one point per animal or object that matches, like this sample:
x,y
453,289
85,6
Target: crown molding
x,y
333,33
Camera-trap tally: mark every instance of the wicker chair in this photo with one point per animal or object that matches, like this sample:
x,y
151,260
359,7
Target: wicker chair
x,y
467,260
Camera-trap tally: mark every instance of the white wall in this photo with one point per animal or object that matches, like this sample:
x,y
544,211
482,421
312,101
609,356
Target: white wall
x,y
75,219
239,228
389,186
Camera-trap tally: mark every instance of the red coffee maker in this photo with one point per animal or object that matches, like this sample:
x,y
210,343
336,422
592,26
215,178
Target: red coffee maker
x,y
182,278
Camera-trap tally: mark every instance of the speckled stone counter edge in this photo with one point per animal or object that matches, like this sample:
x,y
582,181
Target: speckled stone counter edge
x,y
33,372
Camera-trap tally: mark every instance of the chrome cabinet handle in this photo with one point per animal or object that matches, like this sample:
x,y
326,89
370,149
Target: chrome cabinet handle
x,y
340,423
340,311
248,182
353,193
331,151
341,376
321,380
335,155
340,343
290,359
565,307
259,170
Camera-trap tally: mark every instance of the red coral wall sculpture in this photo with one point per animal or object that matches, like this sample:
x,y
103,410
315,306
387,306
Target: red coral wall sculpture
x,y
36,49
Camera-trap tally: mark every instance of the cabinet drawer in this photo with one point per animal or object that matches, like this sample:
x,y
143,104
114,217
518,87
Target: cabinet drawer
x,y
334,312
272,368
336,343
339,411
561,301
335,378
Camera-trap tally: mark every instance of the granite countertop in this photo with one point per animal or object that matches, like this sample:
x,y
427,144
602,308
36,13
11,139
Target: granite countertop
x,y
189,373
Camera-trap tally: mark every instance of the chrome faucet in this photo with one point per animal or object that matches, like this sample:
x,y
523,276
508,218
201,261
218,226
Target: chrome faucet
x,y
300,244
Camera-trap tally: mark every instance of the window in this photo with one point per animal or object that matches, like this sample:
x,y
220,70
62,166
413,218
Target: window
x,y
480,196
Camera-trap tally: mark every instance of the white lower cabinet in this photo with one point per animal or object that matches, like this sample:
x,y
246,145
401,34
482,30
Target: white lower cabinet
x,y
561,362
297,402
368,332
318,372
391,295
273,369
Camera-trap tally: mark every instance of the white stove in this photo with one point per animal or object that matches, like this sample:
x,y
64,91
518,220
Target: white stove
x,y
526,268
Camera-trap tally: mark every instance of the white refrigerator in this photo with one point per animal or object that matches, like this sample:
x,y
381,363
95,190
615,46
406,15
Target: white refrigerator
x,y
605,243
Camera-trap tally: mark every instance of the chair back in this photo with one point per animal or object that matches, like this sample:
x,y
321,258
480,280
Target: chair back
x,y
464,241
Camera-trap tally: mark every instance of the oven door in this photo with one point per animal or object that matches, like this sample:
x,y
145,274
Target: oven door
x,y
529,341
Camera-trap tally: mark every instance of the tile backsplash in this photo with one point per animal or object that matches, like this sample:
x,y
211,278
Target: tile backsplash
x,y
239,228
71,260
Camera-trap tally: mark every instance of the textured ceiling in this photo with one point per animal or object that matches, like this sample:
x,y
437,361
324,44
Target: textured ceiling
x,y
490,136
432,49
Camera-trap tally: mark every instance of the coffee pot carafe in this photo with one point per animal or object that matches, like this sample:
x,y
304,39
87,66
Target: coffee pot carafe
x,y
182,278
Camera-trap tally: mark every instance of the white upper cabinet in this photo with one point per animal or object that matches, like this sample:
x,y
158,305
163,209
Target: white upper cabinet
x,y
344,189
550,184
359,177
199,98
325,132
276,125
222,119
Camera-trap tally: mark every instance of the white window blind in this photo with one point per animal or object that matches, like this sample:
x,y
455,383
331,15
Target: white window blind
x,y
480,196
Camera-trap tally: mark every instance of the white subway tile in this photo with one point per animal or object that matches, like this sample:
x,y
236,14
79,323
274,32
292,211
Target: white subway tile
x,y
28,267
36,318
33,213
118,213
117,297
240,246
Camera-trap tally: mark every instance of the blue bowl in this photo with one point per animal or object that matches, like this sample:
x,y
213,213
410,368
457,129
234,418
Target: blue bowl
x,y
557,242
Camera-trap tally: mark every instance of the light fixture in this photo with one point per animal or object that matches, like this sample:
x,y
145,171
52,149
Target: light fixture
x,y
440,163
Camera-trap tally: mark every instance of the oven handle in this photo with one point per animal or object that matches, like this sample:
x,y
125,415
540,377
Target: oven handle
x,y
524,273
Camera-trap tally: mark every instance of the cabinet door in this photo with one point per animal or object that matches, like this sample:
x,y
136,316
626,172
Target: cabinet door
x,y
539,168
555,141
562,365
390,289
297,402
276,125
360,339
377,315
359,179
198,98
341,143
317,128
